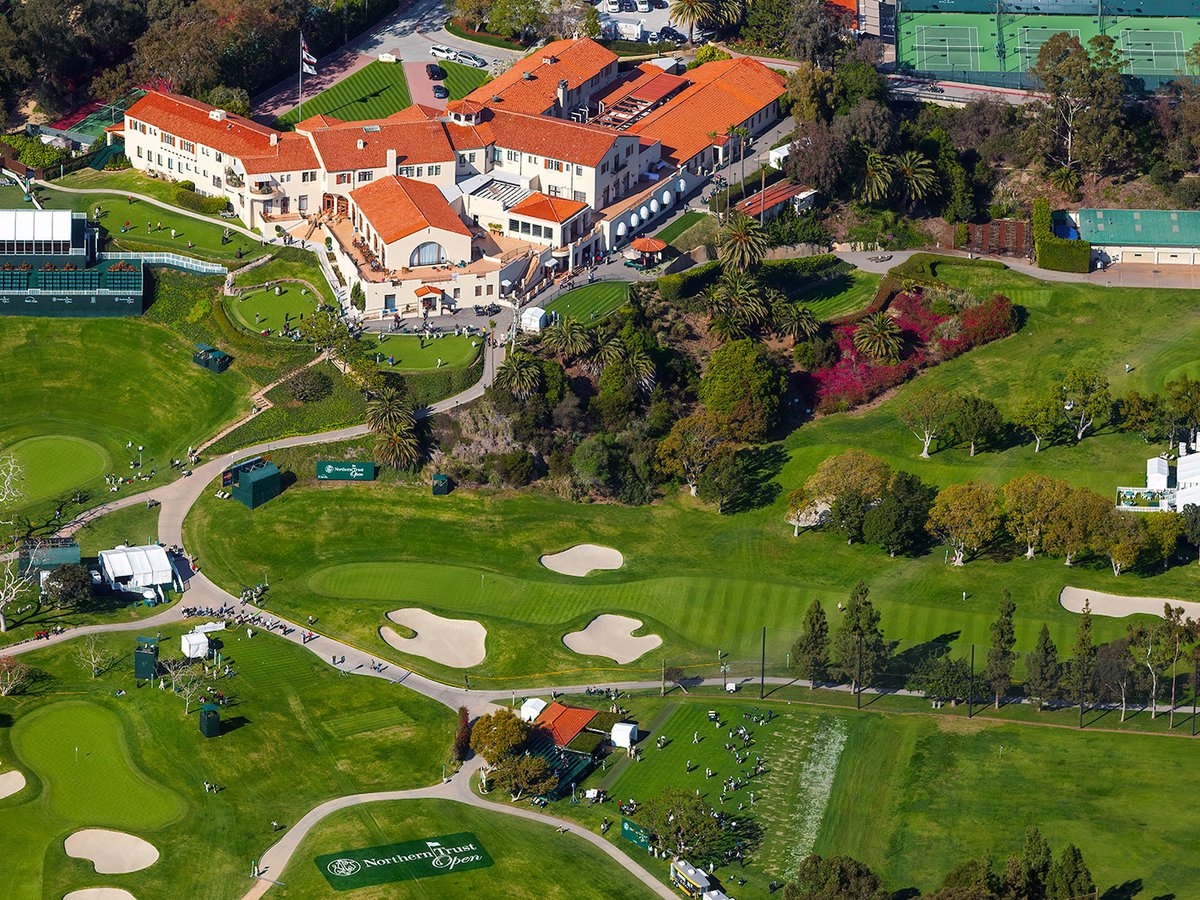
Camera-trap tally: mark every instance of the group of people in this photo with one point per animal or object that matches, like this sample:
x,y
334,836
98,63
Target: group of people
x,y
45,635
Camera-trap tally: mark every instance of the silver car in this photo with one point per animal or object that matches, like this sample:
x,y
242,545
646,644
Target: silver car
x,y
470,59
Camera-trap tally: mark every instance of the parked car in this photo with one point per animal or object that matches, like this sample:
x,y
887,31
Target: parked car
x,y
441,51
434,71
470,59
670,34
440,92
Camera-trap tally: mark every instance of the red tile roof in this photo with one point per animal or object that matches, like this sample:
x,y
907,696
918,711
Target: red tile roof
x,y
546,136
293,153
576,61
564,722
547,208
398,207
780,192
189,118
417,140
723,93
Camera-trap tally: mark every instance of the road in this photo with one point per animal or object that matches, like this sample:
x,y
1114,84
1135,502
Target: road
x,y
408,33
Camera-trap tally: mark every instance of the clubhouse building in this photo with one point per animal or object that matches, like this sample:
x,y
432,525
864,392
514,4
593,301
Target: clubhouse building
x,y
561,158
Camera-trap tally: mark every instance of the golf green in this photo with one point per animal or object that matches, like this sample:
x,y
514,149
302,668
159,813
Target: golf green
x,y
264,310
590,302
409,353
79,751
55,464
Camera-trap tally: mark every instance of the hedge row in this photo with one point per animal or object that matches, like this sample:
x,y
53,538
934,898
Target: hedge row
x,y
680,286
426,388
1055,253
208,206
457,29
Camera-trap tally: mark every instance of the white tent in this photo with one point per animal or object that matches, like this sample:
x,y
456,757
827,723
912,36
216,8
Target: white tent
x,y
531,709
533,319
194,646
624,734
137,568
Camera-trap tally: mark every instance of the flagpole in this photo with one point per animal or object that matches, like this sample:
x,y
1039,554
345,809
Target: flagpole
x,y
300,85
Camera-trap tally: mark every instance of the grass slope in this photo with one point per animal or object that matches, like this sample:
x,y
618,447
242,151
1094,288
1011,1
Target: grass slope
x,y
592,301
461,80
704,581
373,92
531,861
296,733
679,226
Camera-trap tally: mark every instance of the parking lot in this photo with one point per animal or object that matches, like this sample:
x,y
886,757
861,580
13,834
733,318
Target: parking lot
x,y
653,21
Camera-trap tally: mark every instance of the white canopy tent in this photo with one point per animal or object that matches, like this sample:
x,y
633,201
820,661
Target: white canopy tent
x,y
531,709
137,568
624,734
533,319
194,645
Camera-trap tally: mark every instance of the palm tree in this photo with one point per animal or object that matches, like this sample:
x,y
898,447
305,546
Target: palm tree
x,y
742,133
743,242
388,411
567,338
729,12
641,366
1066,179
606,353
521,374
878,336
398,448
794,320
743,297
877,179
916,176
727,328
691,13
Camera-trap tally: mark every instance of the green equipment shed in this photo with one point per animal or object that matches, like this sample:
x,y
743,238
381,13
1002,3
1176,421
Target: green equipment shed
x,y
211,358
257,483
441,485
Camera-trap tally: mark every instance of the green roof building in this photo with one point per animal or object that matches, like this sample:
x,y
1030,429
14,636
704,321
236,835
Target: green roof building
x,y
1154,236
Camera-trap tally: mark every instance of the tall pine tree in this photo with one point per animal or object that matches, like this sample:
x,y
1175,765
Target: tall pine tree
x,y
858,644
810,652
1083,655
998,673
1042,669
1035,864
1069,878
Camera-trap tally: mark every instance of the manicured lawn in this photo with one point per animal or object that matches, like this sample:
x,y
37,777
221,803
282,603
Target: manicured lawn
x,y
706,582
679,226
461,80
934,791
137,524
77,391
295,734
373,92
56,463
127,180
700,232
286,264
591,302
530,860
412,354
840,295
262,310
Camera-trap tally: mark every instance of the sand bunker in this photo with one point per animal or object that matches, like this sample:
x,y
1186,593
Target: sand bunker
x,y
612,636
583,559
111,852
100,894
452,642
1116,605
10,783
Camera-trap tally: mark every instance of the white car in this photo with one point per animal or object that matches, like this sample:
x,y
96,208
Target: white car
x,y
470,59
438,51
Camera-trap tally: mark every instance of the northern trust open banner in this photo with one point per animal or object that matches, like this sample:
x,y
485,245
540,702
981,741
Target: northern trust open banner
x,y
403,862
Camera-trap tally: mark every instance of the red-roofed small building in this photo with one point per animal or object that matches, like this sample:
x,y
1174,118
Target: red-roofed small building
x,y
555,80
563,723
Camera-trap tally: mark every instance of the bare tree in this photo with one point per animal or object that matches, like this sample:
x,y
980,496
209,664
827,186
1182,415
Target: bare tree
x,y
14,584
189,684
94,656
173,669
12,481
14,675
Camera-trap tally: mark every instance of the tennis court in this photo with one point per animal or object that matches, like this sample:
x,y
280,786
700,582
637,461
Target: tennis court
x,y
1031,43
95,117
947,46
1153,52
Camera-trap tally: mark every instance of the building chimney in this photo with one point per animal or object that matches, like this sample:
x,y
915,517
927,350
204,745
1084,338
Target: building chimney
x,y
274,138
549,60
391,160
528,76
362,145
217,115
562,93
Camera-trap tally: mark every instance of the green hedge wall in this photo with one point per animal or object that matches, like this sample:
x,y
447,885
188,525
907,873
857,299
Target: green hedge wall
x,y
1055,253
680,286
209,206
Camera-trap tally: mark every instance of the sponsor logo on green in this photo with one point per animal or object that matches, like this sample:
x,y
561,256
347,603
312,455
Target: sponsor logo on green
x,y
634,832
329,470
442,855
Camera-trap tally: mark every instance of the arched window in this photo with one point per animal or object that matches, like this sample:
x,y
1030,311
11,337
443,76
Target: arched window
x,y
428,254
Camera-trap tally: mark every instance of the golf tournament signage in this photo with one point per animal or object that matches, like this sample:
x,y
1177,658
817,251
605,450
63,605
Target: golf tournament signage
x,y
345,471
409,861
634,832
